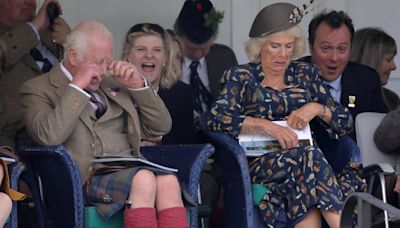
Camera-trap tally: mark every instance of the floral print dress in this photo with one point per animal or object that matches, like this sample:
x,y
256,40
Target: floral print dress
x,y
300,179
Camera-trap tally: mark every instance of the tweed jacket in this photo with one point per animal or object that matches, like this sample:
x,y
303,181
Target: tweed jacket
x,y
10,120
218,59
20,65
56,113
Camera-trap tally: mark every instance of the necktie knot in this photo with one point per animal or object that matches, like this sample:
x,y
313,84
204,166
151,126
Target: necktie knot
x,y
193,65
38,57
101,107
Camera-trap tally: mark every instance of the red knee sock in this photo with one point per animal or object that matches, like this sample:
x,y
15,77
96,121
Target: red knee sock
x,y
174,217
142,217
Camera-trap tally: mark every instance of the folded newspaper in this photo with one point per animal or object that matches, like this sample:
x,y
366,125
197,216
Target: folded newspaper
x,y
130,161
259,143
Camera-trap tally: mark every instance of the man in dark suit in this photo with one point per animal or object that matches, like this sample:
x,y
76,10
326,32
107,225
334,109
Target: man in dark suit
x,y
203,67
198,31
355,86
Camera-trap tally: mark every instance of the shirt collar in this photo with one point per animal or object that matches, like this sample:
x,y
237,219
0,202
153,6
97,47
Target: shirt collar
x,y
335,84
65,71
188,61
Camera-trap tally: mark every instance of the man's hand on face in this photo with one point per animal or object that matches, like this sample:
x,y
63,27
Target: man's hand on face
x,y
85,73
126,73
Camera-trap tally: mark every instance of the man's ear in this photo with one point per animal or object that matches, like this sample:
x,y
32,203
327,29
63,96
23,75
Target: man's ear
x,y
73,56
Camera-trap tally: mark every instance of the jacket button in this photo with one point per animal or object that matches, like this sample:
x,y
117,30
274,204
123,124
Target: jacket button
x,y
106,198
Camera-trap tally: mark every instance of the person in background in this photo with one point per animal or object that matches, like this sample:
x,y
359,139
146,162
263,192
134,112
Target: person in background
x,y
204,60
387,139
6,123
94,115
273,87
375,48
157,56
353,85
5,200
31,41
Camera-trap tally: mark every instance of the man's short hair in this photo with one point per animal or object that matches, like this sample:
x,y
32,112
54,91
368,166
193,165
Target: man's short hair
x,y
334,19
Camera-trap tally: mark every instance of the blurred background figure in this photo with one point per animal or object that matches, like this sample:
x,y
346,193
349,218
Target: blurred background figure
x,y
375,48
204,61
30,39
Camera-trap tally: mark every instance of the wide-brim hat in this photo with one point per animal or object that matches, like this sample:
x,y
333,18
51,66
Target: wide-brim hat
x,y
273,18
191,21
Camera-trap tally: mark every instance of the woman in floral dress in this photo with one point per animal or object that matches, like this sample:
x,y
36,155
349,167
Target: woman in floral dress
x,y
272,87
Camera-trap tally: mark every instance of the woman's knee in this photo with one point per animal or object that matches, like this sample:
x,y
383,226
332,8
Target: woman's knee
x,y
144,181
5,202
167,182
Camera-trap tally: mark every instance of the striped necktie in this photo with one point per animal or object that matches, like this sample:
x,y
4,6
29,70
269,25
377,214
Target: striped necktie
x,y
101,107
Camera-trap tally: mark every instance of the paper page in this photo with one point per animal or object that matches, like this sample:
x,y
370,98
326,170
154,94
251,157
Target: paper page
x,y
256,144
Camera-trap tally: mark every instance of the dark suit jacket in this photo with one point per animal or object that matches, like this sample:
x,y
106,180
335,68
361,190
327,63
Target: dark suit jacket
x,y
178,100
218,59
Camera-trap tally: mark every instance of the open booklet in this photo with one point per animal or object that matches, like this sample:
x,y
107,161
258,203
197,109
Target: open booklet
x,y
130,161
256,144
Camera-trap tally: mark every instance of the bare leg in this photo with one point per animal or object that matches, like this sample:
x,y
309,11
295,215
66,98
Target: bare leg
x,y
313,219
168,192
5,202
143,189
332,218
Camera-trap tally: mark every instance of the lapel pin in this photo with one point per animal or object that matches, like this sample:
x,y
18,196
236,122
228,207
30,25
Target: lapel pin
x,y
352,101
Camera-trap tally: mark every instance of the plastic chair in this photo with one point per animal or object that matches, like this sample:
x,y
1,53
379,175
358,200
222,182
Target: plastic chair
x,y
61,187
377,163
364,202
239,209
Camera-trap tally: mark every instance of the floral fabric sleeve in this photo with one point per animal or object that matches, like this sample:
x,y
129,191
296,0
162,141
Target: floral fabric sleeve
x,y
226,112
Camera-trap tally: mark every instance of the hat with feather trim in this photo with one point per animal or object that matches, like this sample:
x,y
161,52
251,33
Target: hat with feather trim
x,y
277,17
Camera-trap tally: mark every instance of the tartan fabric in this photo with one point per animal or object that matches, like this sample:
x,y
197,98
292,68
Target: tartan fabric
x,y
109,192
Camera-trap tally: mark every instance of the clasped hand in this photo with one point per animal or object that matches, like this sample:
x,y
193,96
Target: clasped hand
x,y
89,75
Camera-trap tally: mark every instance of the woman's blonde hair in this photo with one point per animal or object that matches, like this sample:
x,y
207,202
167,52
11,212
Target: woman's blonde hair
x,y
169,75
254,45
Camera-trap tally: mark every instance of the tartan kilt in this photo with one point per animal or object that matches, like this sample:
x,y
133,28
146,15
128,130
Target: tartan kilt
x,y
109,192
